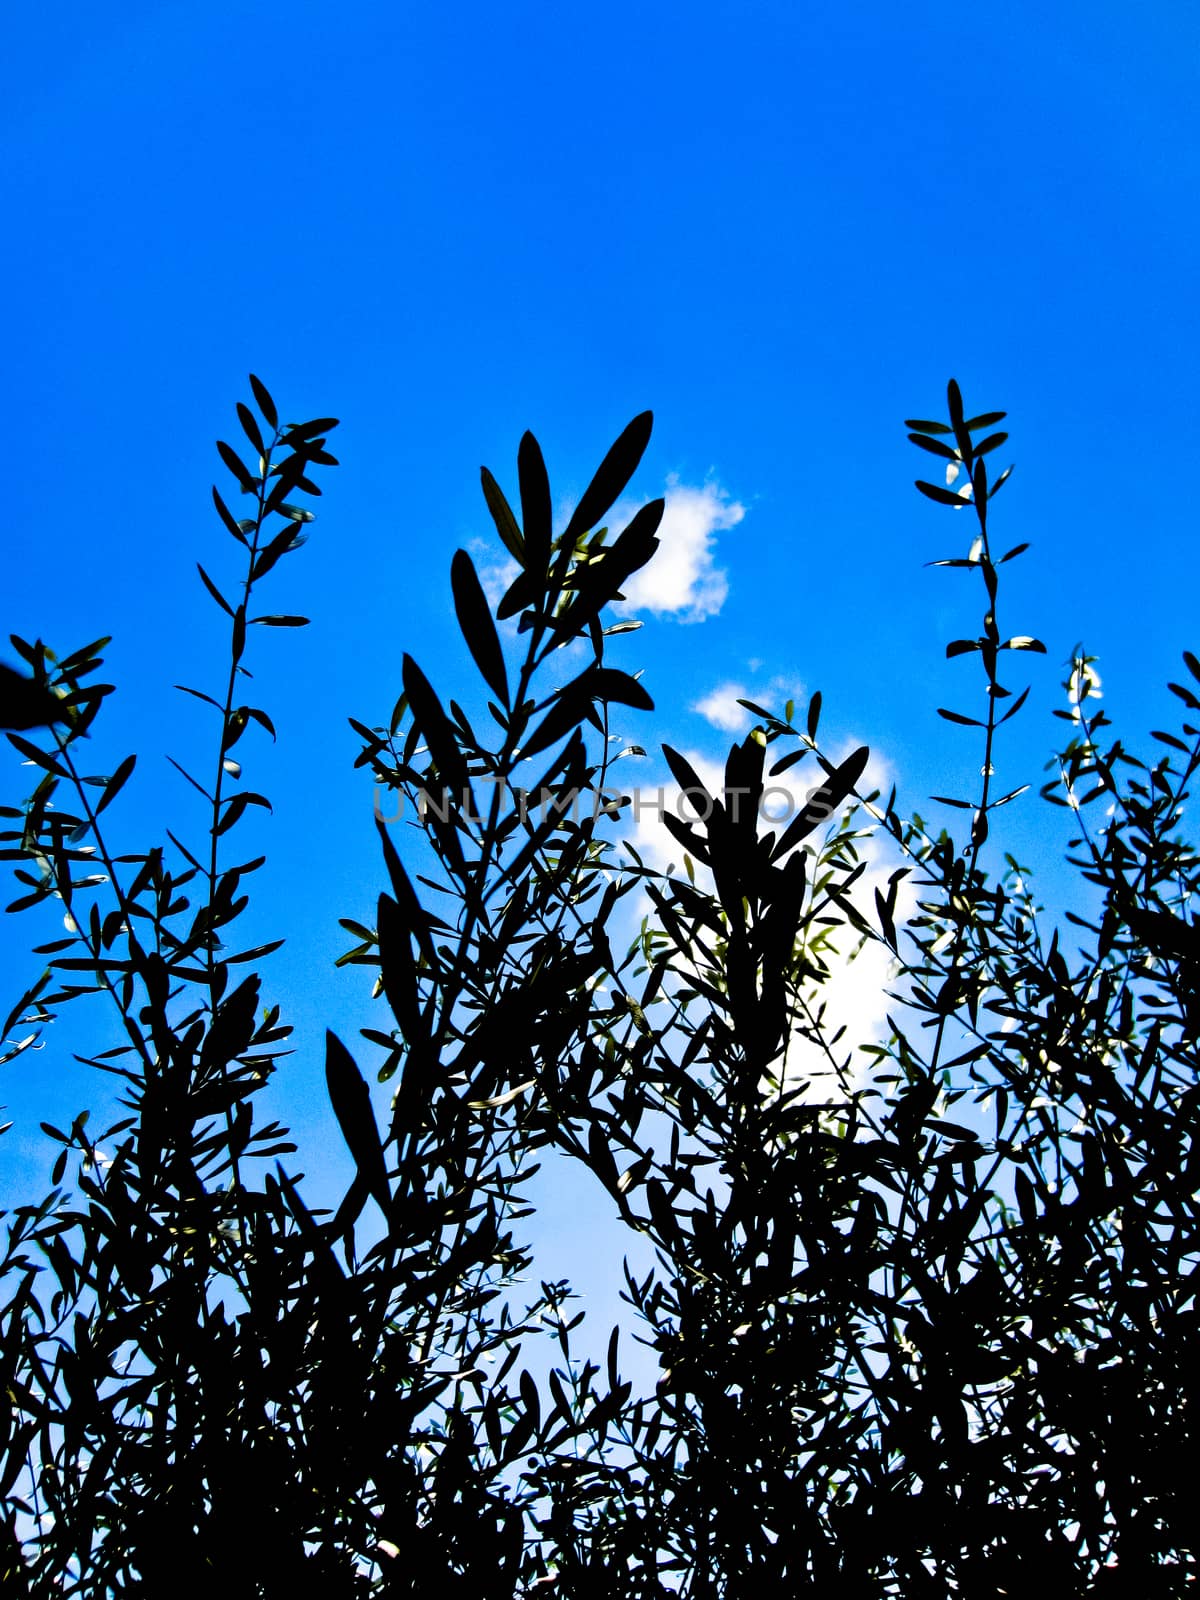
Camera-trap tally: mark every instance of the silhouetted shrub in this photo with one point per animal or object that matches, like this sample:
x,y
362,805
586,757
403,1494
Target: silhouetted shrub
x,y
930,1329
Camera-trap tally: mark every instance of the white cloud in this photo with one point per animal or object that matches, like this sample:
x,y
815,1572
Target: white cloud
x,y
781,690
722,710
496,577
683,580
720,707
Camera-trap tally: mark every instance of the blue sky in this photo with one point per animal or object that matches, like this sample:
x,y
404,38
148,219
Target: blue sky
x,y
782,227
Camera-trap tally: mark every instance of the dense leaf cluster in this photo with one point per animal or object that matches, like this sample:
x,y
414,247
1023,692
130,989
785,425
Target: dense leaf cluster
x,y
919,1333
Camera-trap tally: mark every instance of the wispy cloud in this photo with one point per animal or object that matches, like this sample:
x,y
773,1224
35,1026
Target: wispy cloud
x,y
782,689
721,708
496,574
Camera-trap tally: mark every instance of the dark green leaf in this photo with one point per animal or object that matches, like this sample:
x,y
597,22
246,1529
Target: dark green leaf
x,y
301,432
116,783
236,805
86,659
435,728
600,581
38,757
607,683
934,446
600,1159
200,695
944,497
351,1102
551,818
567,711
397,969
531,1399
414,917
613,474
255,954
957,422
475,621
506,523
214,591
992,442
250,428
825,801
1026,1198
688,779
237,466
264,402
525,589
27,703
33,655
979,483
228,518
536,511
1015,707
790,760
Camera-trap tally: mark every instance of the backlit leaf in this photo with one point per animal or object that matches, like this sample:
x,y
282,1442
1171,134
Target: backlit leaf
x,y
934,446
944,497
214,591
613,474
506,523
536,513
263,401
237,466
351,1102
475,621
116,783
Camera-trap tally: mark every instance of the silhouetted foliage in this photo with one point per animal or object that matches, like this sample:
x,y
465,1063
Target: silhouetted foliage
x,y
27,702
930,1329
